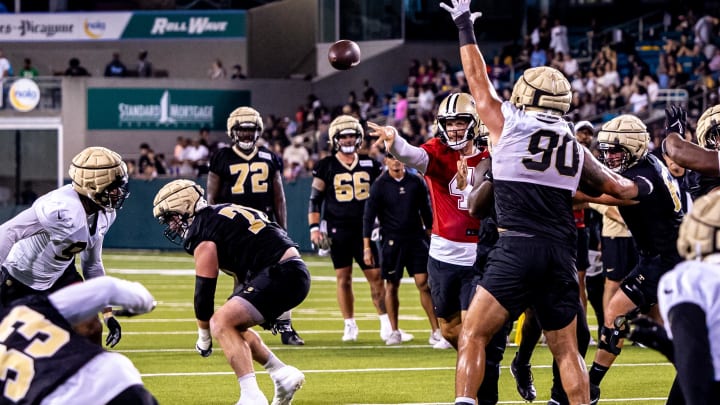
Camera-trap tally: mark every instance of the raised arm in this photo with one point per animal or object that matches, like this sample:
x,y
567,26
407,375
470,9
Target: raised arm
x,y
487,101
411,156
684,153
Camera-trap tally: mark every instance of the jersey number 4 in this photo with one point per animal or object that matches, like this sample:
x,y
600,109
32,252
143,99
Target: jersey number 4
x,y
45,339
545,144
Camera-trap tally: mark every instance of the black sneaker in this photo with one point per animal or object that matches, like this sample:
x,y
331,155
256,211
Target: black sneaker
x,y
524,380
594,394
291,338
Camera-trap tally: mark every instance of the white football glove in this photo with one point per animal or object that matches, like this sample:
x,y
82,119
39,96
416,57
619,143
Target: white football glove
x,y
204,342
459,7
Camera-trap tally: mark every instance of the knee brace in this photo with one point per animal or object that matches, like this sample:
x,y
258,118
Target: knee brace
x,y
631,288
610,339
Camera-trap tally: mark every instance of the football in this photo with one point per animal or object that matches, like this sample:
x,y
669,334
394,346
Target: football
x,y
344,54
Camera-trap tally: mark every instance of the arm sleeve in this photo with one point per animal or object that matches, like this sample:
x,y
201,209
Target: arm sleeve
x,y
412,156
80,301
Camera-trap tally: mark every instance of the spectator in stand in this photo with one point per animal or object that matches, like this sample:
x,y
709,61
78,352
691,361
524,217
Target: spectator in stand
x,y
626,89
5,66
570,65
401,107
714,63
237,73
369,94
28,71
426,100
684,48
639,99
652,88
295,158
176,162
115,68
674,71
578,84
538,57
75,69
144,67
559,38
217,71
704,31
541,34
195,158
610,77
161,167
146,162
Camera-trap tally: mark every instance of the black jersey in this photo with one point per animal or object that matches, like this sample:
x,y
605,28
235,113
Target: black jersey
x,y
247,241
705,184
247,179
402,207
40,351
655,221
346,189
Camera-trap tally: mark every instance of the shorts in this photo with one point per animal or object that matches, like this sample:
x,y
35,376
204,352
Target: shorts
x,y
583,259
451,287
619,257
396,255
276,289
522,272
347,244
645,277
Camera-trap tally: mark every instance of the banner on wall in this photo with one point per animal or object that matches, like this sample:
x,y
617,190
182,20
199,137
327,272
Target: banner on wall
x,y
122,25
161,109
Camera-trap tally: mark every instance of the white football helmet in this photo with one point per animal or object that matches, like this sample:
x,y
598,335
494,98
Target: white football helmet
x,y
542,89
458,106
175,205
342,126
630,134
101,175
708,133
244,127
699,235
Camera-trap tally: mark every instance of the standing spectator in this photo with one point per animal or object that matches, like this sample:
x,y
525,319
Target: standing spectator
x,y
28,71
144,67
426,101
399,201
559,38
5,66
704,31
237,73
341,185
176,162
538,57
115,68
217,71
270,277
401,107
146,162
195,158
369,94
295,158
75,69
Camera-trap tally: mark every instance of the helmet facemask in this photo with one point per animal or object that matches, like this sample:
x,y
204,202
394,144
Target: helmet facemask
x,y
100,175
114,196
343,147
458,107
176,226
244,127
456,139
175,206
620,159
342,127
712,137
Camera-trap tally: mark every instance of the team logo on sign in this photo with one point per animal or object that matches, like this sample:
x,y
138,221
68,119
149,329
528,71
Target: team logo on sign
x,y
24,95
94,29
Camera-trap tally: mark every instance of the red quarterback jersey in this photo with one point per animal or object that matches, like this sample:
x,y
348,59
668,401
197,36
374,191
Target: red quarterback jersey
x,y
451,219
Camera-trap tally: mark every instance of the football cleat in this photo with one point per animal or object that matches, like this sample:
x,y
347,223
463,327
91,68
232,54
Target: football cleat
x,y
204,352
594,394
394,339
523,379
350,334
290,337
288,380
443,344
435,336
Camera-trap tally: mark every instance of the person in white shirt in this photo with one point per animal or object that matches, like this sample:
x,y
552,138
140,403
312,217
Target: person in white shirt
x,y
38,246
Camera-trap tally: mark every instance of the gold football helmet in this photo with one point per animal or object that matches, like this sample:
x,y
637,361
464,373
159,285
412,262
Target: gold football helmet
x,y
708,133
244,127
542,89
175,205
458,106
101,175
699,234
342,126
626,133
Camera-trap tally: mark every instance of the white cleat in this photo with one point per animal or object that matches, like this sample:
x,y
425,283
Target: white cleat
x,y
443,344
350,334
288,380
435,336
394,339
385,332
406,337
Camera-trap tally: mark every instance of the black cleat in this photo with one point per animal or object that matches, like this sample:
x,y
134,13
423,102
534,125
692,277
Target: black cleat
x,y
524,380
291,338
594,394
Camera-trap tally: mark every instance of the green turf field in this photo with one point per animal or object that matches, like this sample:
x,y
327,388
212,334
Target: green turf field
x,y
161,344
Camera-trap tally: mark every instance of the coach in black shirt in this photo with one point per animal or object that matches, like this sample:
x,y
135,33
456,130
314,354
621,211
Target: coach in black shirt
x,y
401,205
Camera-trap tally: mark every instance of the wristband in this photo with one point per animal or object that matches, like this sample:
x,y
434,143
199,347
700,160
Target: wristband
x,y
645,187
465,29
314,227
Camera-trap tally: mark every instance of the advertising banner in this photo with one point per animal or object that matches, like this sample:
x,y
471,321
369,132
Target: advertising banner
x,y
122,25
161,109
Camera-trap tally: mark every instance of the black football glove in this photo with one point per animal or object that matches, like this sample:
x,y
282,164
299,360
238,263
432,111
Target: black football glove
x,y
675,120
114,332
651,334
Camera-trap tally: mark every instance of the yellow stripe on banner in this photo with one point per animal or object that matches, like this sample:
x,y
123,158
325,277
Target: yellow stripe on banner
x,y
518,328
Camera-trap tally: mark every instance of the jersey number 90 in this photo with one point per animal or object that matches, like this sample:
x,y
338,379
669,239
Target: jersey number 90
x,y
545,144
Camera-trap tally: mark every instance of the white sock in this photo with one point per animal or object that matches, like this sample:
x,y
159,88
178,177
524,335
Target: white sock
x,y
464,400
249,385
273,364
385,321
204,333
350,322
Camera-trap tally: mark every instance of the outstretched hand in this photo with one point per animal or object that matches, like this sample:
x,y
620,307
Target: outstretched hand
x,y
385,135
460,7
675,120
462,173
